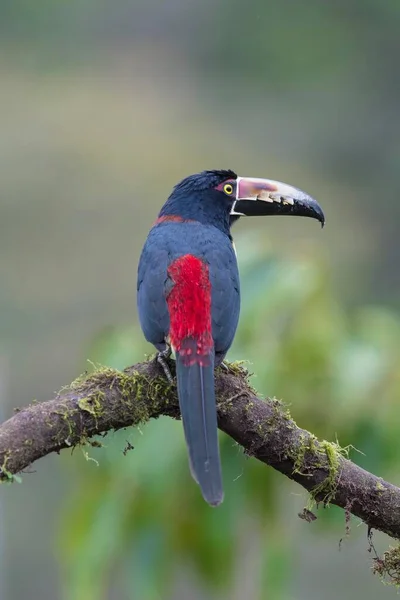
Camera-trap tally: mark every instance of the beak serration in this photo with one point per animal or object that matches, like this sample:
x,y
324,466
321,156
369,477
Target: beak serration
x,y
258,197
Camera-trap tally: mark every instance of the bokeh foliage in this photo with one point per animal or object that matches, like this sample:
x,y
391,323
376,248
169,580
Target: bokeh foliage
x,y
137,517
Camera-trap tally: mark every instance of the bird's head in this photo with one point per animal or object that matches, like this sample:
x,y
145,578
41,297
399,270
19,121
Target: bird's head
x,y
221,197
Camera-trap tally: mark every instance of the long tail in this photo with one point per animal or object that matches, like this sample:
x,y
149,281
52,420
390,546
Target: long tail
x,y
199,416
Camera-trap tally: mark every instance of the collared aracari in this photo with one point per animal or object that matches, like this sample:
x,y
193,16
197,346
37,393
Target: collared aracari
x,y
188,293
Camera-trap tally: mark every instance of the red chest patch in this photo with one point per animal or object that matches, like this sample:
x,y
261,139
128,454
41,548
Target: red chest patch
x,y
172,219
189,306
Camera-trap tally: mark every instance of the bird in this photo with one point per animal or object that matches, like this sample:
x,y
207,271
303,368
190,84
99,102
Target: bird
x,y
188,294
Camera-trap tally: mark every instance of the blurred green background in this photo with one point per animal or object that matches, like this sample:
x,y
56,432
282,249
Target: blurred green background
x,y
104,106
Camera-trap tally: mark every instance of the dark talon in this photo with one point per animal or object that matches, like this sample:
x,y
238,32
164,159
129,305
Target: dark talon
x,y
162,360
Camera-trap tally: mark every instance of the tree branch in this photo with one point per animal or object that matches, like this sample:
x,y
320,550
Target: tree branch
x,y
108,399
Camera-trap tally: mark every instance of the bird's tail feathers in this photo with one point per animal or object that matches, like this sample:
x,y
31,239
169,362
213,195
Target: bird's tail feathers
x,y
195,379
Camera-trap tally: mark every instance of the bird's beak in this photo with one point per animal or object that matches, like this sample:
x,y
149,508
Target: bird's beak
x,y
258,197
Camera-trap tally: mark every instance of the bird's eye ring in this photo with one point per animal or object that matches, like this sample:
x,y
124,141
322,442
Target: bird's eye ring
x,y
228,189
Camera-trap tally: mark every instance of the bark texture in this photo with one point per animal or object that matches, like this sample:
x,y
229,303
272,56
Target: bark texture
x,y
108,400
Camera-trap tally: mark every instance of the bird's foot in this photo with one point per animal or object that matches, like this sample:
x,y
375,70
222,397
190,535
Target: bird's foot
x,y
224,366
162,358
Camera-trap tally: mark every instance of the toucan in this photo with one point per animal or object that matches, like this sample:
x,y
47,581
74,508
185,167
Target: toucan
x,y
188,293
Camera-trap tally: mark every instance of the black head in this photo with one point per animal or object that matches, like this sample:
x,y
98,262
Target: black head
x,y
199,198
206,180
220,197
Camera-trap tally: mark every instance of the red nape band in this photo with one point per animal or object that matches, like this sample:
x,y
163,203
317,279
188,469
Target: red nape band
x,y
189,305
172,219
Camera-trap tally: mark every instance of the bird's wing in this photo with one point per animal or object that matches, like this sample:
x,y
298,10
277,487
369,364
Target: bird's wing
x,y
151,297
225,305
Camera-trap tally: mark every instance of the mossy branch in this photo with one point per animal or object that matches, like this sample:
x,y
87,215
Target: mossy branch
x,y
108,400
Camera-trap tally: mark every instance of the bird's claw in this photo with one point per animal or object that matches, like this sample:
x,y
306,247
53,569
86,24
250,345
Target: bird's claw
x,y
162,358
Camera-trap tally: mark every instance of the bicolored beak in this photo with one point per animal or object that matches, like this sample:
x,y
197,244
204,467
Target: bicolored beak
x,y
259,197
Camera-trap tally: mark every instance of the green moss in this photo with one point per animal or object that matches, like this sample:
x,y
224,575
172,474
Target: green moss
x,y
280,413
281,409
235,368
311,455
92,404
326,490
140,395
5,475
388,566
67,415
331,454
156,389
308,444
379,487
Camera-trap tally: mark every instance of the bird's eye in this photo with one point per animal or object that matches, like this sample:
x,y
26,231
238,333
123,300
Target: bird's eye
x,y
228,189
